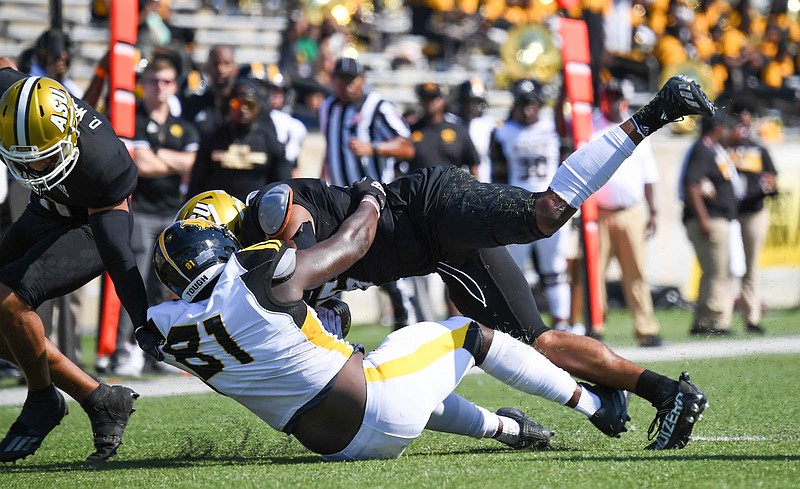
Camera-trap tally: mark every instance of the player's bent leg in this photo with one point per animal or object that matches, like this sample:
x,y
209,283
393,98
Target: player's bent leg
x,y
407,377
588,359
23,332
525,369
108,407
509,426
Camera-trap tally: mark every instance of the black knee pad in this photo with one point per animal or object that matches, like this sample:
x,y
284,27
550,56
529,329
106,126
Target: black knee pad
x,y
473,341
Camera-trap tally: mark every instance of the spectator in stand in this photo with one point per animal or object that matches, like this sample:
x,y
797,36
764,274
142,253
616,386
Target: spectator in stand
x,y
624,225
310,95
243,154
151,31
164,151
758,173
298,51
207,108
51,58
709,199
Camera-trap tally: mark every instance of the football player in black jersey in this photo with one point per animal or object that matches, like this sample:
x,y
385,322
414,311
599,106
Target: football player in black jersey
x,y
443,220
76,225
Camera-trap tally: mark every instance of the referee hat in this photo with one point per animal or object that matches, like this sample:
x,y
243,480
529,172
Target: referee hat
x,y
348,67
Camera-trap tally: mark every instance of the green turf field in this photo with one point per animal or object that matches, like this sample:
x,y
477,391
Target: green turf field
x,y
749,438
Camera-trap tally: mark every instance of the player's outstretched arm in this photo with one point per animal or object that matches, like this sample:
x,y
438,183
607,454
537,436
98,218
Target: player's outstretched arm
x,y
328,259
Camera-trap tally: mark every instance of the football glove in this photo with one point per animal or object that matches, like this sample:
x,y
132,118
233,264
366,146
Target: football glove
x,y
369,186
334,314
150,340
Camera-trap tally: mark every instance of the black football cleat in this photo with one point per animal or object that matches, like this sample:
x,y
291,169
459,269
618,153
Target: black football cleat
x,y
41,412
679,97
612,416
531,434
677,419
109,408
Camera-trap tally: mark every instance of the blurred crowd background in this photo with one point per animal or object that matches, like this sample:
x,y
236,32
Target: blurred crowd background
x,y
731,47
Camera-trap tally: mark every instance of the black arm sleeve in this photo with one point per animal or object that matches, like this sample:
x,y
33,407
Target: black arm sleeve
x,y
112,236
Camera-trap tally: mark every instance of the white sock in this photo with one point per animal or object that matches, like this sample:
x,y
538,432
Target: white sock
x,y
589,168
589,402
461,417
523,368
510,433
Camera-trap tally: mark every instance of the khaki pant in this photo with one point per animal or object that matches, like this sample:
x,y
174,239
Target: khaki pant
x,y
714,301
622,235
754,232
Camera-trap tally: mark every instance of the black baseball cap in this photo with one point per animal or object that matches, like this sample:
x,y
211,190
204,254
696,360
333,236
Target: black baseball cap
x,y
428,90
348,67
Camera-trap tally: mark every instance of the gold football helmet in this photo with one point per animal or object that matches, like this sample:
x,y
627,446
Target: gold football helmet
x,y
216,206
38,132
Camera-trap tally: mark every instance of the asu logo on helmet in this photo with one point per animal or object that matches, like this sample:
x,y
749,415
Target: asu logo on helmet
x,y
38,132
216,206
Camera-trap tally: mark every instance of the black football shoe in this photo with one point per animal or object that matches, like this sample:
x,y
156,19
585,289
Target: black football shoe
x,y
109,408
42,411
679,97
677,418
532,435
612,416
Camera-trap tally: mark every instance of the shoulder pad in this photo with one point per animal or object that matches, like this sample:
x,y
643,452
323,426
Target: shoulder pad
x,y
275,254
274,209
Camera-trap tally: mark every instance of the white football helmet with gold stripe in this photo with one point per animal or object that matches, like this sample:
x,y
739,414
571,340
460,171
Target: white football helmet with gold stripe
x,y
38,132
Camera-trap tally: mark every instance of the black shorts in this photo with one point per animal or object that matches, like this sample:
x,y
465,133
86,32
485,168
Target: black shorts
x,y
463,225
44,256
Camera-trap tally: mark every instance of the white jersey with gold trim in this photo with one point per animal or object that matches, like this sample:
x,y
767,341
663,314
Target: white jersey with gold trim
x,y
533,156
261,358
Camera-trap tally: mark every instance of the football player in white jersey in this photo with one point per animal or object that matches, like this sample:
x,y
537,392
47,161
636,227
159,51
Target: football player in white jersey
x,y
525,153
242,327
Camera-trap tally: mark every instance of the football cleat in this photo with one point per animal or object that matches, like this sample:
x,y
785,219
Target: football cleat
x,y
679,97
38,418
109,408
531,434
612,416
677,419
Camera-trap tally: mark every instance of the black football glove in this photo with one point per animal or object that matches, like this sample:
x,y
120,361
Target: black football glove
x,y
150,339
369,186
335,316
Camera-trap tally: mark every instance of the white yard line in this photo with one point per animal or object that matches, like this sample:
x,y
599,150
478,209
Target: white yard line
x,y
173,385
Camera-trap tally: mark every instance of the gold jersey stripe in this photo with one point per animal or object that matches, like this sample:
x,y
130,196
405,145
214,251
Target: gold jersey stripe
x,y
421,358
316,334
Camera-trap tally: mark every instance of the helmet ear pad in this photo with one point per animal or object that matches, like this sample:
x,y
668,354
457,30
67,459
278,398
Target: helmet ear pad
x,y
275,209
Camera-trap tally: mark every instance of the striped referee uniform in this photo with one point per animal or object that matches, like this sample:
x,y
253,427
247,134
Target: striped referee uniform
x,y
370,119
